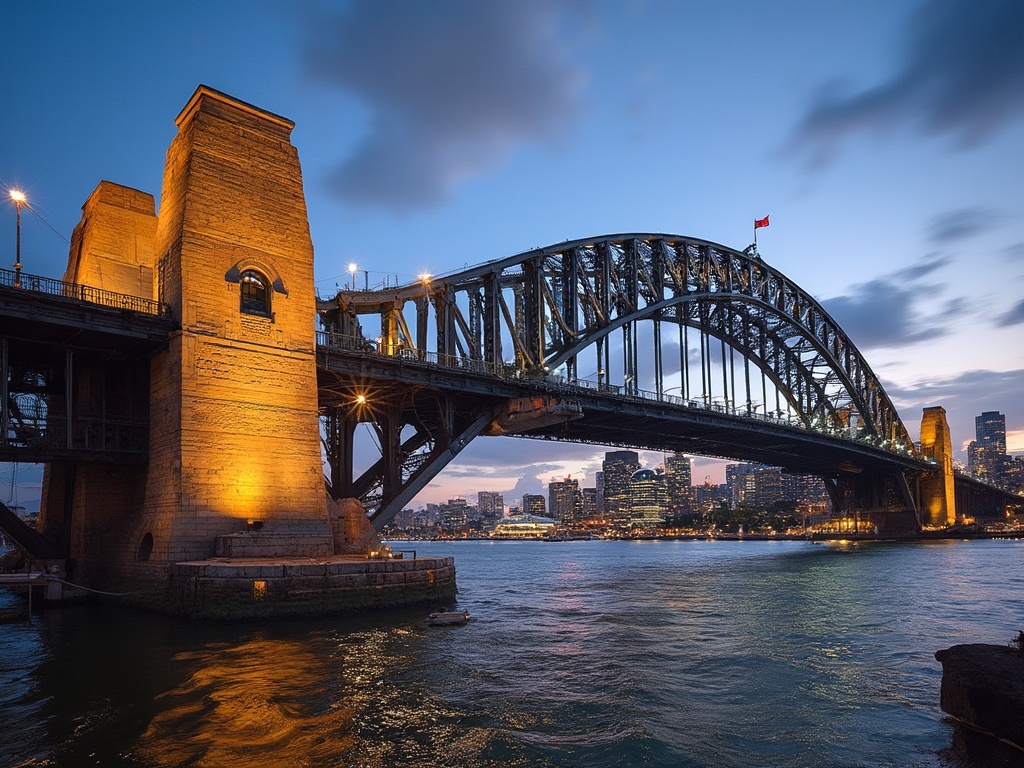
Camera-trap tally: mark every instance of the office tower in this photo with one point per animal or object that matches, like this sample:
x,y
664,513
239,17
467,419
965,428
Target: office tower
x,y
565,502
648,499
491,506
986,452
678,484
533,504
618,467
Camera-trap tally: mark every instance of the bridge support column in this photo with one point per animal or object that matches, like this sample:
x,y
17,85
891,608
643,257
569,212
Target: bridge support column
x,y
938,498
874,504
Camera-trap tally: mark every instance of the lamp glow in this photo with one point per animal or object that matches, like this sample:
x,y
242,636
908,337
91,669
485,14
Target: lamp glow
x,y
19,199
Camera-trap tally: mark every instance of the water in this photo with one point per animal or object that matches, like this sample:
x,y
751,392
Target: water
x,y
578,654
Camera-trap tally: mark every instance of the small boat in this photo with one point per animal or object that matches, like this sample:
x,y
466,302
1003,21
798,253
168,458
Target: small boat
x,y
448,619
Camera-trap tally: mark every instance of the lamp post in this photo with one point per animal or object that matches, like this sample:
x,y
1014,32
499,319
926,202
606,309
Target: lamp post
x,y
352,274
19,199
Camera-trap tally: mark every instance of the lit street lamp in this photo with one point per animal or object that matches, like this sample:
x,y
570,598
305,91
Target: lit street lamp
x,y
19,199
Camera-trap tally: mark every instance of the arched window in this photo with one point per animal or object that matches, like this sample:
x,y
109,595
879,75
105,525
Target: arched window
x,y
145,548
255,293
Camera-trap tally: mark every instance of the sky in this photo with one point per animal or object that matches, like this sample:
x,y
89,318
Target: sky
x,y
884,138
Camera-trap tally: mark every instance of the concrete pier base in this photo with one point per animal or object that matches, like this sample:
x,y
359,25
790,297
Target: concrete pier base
x,y
239,588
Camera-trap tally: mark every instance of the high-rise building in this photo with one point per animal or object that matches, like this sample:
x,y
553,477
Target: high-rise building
x,y
491,506
986,452
454,515
599,489
589,503
678,484
648,499
565,502
618,467
533,504
753,485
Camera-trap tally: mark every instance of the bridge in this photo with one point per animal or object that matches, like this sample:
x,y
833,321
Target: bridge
x,y
184,380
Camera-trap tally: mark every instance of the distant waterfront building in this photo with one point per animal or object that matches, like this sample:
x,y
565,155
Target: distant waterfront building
x,y
589,503
618,467
523,527
533,504
565,502
599,488
491,506
987,452
454,515
735,481
678,483
648,499
707,496
754,486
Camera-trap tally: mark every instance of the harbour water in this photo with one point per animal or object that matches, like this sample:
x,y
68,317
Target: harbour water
x,y
589,653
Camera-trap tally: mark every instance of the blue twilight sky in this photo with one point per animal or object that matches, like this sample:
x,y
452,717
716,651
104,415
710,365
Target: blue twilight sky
x,y
885,138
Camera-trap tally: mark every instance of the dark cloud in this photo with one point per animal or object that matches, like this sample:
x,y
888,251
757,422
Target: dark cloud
x,y
881,313
455,88
962,224
1013,316
963,64
921,269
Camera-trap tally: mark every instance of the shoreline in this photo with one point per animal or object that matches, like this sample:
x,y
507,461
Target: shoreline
x,y
812,537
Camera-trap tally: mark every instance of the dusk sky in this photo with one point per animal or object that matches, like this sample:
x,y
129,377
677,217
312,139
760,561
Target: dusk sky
x,y
884,138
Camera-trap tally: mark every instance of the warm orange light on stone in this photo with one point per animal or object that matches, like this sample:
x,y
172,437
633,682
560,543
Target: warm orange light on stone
x,y
234,432
937,494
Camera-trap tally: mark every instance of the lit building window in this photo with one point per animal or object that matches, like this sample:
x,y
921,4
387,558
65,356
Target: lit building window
x,y
255,293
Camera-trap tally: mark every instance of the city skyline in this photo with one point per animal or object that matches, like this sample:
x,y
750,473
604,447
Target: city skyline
x,y
886,142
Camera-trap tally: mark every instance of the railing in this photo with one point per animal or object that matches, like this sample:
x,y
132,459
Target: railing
x,y
51,287
510,371
87,433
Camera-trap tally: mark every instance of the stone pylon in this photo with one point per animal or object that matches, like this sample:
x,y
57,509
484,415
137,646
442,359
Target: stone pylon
x,y
938,500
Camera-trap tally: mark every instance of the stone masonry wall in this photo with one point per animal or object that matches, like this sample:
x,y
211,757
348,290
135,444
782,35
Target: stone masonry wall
x,y
112,248
234,422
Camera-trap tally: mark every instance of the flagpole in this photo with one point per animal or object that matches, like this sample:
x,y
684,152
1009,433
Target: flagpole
x,y
755,235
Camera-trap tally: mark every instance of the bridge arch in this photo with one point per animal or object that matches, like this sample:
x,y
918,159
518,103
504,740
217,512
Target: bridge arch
x,y
550,307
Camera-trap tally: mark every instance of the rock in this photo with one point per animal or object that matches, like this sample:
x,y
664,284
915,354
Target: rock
x,y
983,686
354,534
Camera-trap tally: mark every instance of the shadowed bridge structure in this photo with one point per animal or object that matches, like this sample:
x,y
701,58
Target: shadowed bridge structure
x,y
689,346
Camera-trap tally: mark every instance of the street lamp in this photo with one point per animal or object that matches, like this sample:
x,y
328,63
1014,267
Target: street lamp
x,y
352,267
19,199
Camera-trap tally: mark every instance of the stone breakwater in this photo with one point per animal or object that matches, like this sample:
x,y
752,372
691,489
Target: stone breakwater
x,y
983,690
222,588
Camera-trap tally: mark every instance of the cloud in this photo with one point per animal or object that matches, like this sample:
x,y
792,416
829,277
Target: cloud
x,y
963,64
883,313
1014,252
1013,316
962,224
455,88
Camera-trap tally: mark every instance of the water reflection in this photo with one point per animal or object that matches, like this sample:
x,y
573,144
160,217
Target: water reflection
x,y
588,654
258,703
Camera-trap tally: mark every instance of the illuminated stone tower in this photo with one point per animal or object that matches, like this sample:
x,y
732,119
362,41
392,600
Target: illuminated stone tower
x,y
233,409
938,500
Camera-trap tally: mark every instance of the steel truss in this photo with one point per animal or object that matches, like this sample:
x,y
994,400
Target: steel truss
x,y
750,332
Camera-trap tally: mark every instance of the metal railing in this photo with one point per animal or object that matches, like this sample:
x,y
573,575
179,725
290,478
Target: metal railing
x,y
86,293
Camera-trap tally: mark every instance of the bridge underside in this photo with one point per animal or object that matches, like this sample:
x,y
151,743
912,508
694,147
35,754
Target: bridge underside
x,y
424,415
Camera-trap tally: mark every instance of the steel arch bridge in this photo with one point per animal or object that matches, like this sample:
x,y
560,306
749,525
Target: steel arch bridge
x,y
648,313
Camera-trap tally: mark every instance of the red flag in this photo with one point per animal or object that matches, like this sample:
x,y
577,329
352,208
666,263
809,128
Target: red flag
x,y
761,222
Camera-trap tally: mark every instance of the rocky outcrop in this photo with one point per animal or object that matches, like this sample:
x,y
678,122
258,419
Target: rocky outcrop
x,y
983,688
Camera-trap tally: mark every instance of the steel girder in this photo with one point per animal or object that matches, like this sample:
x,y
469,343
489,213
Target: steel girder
x,y
533,314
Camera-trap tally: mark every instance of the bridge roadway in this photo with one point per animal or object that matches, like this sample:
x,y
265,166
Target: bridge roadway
x,y
640,420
